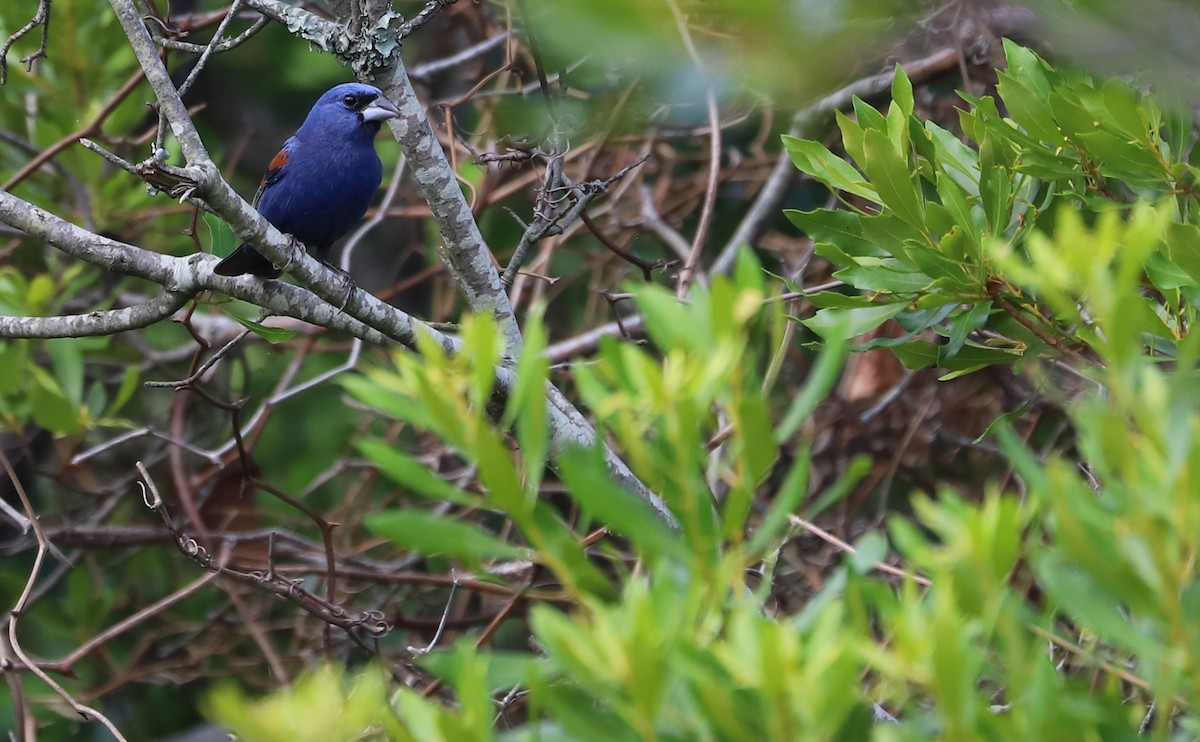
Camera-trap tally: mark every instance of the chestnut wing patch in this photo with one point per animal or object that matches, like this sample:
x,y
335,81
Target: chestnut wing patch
x,y
275,171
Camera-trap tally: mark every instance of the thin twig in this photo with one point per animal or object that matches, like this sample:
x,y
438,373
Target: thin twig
x,y
224,46
204,367
210,49
843,546
43,546
714,158
92,129
41,17
425,15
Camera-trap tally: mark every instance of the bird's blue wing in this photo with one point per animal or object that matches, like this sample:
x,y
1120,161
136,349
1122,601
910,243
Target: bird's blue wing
x,y
276,169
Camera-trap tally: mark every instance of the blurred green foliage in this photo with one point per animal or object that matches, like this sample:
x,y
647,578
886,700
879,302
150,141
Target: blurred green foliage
x,y
1095,559
1061,235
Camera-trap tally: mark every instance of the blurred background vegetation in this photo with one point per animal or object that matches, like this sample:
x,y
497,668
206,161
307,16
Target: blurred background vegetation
x,y
1020,501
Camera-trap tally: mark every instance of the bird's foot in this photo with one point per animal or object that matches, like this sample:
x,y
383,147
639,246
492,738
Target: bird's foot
x,y
294,245
348,284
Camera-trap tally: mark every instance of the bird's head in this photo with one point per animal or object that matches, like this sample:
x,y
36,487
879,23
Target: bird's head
x,y
350,110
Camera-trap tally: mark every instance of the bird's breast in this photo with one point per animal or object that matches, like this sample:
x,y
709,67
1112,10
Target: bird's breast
x,y
323,194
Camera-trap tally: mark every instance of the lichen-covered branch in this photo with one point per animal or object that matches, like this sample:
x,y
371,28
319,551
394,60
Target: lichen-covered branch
x,y
107,322
463,248
190,275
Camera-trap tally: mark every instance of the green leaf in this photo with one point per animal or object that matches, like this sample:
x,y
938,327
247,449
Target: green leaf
x,y
884,280
1025,89
589,484
902,91
748,273
1183,245
402,469
922,354
219,237
129,384
958,162
813,158
824,373
954,199
843,229
380,393
833,298
14,357
832,323
668,320
858,468
870,549
66,358
852,136
37,299
51,408
1120,108
788,499
889,173
482,346
995,190
1088,603
273,335
1132,162
1177,128
526,409
966,323
432,534
497,467
504,670
869,118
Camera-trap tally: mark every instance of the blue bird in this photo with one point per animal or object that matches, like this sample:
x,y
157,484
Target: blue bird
x,y
321,182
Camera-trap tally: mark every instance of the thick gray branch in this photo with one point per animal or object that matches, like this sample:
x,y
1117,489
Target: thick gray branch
x,y
189,275
169,104
107,322
365,316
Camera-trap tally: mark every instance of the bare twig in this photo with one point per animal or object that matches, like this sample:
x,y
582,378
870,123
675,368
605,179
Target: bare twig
x,y
425,15
212,361
292,591
222,46
692,261
210,49
41,17
43,546
437,635
843,546
427,70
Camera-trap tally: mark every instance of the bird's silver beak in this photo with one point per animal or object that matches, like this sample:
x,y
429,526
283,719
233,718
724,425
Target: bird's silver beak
x,y
380,109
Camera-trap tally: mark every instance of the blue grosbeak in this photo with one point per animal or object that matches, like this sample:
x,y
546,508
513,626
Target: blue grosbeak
x,y
323,179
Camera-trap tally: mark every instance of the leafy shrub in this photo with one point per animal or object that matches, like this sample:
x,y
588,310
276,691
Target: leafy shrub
x,y
1062,242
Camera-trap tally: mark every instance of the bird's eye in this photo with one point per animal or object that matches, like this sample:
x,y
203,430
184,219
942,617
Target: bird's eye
x,y
350,101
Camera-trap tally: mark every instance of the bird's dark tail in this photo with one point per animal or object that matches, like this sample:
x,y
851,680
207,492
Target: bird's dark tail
x,y
246,260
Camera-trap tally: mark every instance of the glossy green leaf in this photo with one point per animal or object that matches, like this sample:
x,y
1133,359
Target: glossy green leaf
x,y
51,408
273,335
402,469
832,323
590,484
66,358
812,158
433,534
219,237
923,354
889,173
